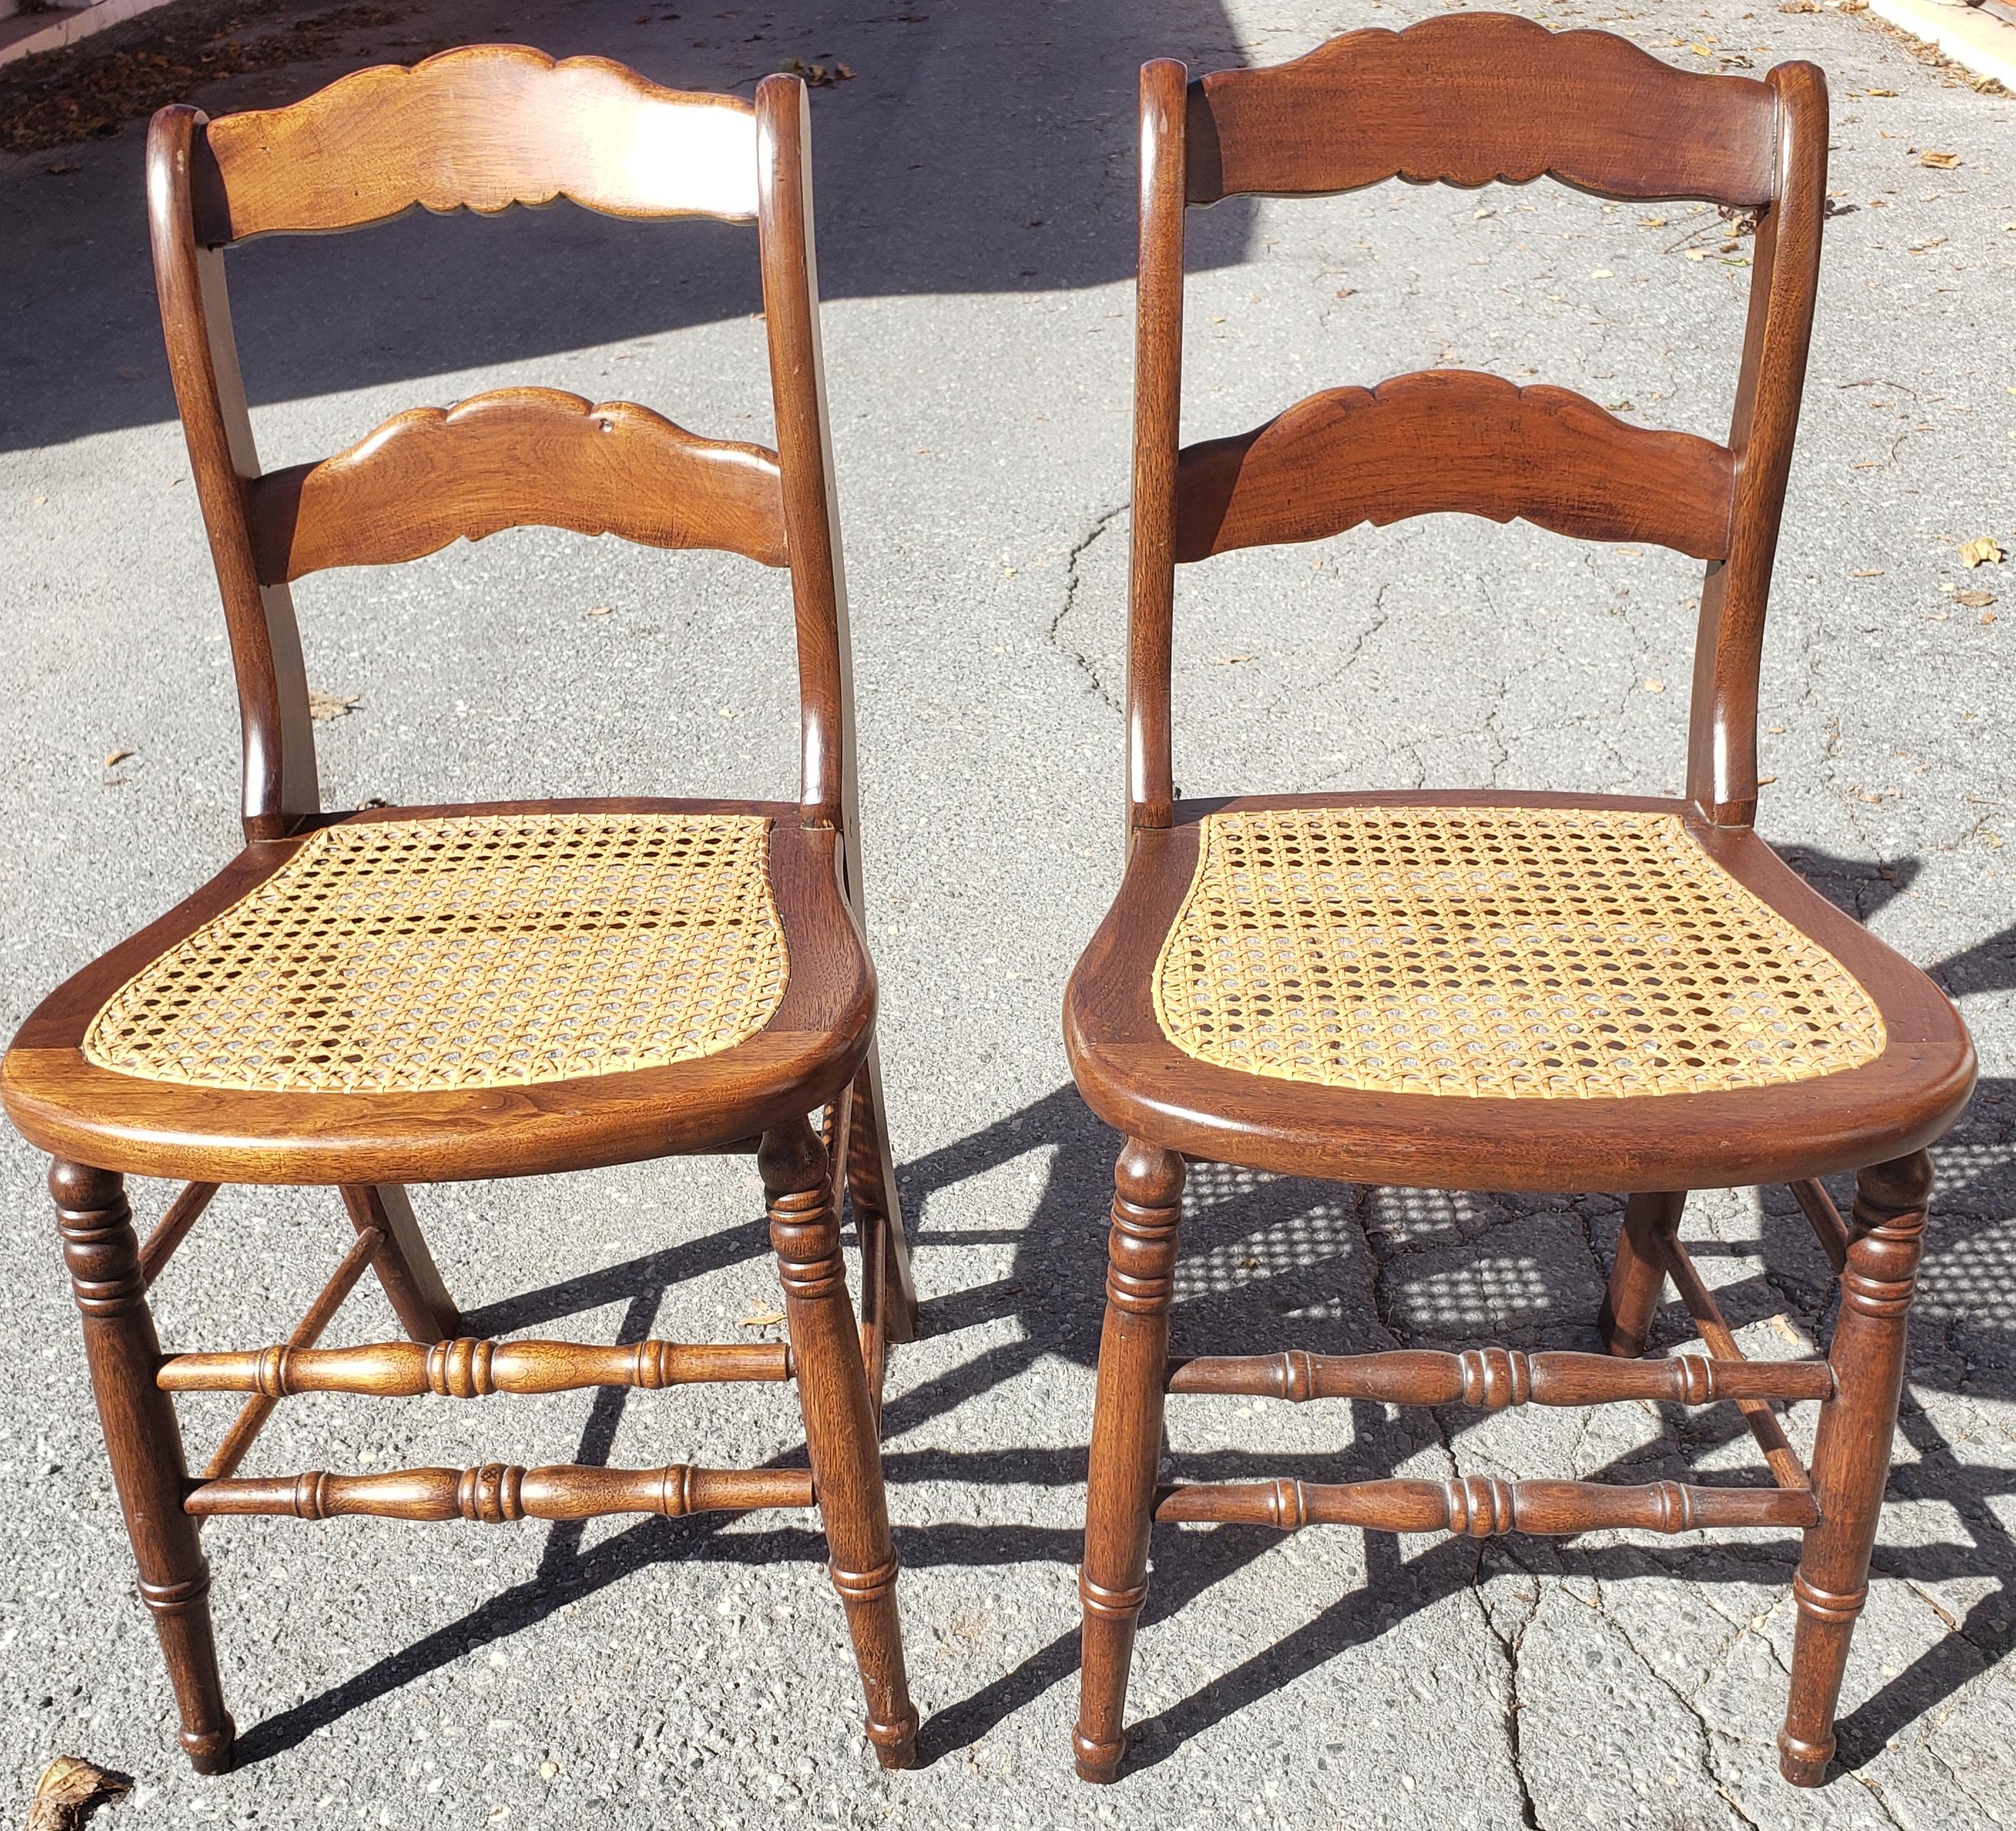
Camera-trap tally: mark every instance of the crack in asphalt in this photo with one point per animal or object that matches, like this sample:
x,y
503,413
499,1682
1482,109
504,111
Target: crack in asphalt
x,y
1054,634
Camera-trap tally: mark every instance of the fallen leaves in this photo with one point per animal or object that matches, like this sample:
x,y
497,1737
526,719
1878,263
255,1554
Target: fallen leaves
x,y
1939,161
1654,685
114,757
816,76
69,1789
759,1318
1974,600
91,92
1986,551
325,707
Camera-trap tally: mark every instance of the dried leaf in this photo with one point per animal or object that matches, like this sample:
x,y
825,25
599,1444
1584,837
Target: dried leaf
x,y
1988,616
1233,661
759,1319
814,76
600,610
1868,572
69,1789
1974,600
61,167
1939,161
1655,685
844,72
1879,91
1652,222
323,707
116,756
1784,1326
1987,551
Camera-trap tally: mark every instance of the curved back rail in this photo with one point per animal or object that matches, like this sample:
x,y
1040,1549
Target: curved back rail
x,y
483,129
1464,99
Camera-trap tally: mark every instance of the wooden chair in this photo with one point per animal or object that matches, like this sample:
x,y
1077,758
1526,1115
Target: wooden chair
x,y
418,995
1493,991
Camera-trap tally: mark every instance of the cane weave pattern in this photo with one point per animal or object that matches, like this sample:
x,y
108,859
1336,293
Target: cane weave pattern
x,y
467,952
1507,952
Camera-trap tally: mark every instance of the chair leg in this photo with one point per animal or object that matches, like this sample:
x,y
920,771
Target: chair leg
x,y
1126,1445
839,1427
871,1179
1638,1275
145,1443
405,1267
1852,1452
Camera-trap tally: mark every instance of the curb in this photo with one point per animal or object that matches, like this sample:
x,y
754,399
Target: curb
x,y
1984,42
67,28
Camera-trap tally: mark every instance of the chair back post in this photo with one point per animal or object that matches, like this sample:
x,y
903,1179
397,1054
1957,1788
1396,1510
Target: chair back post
x,y
1722,733
280,789
805,457
1158,372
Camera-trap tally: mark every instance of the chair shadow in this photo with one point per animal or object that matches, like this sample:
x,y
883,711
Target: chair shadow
x,y
1265,1259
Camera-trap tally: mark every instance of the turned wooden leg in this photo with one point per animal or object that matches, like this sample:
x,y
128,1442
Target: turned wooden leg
x,y
1852,1452
145,1443
1638,1276
839,1427
405,1267
1126,1443
871,1181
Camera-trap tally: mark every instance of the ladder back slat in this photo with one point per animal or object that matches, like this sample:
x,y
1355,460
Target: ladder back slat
x,y
479,128
1466,99
510,459
1453,440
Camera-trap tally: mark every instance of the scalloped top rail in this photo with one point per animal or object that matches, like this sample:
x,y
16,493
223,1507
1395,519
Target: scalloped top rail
x,y
1453,440
1471,98
509,459
479,128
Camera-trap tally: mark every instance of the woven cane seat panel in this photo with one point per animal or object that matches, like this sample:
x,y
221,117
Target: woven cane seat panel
x,y
467,952
1507,952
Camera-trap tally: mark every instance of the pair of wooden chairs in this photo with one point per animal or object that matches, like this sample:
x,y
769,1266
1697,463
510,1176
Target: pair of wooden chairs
x,y
1456,990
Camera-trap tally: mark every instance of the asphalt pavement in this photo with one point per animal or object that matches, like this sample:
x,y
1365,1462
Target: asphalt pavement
x,y
975,189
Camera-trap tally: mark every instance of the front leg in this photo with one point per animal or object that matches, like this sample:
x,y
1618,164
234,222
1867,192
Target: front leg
x,y
840,1426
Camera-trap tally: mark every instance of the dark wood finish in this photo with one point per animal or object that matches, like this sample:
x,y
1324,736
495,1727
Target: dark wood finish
x,y
1446,441
811,1048
1484,1506
1638,1274
1126,1440
1492,1379
479,128
173,1228
1142,1085
473,1368
495,1493
1479,98
406,1269
840,1426
1785,265
145,1444
1828,1228
1467,99
484,128
1852,1453
509,459
1708,1322
251,1419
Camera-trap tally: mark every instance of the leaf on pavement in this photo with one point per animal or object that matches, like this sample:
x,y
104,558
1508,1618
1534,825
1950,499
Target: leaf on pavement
x,y
1987,551
1939,161
69,1789
323,707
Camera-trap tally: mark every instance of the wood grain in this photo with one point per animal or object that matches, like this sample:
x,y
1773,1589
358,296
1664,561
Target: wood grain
x,y
469,1367
1453,440
1476,98
512,458
1484,1506
495,1493
479,128
1492,1379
